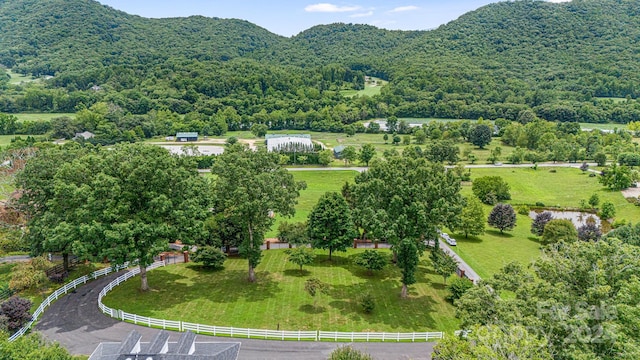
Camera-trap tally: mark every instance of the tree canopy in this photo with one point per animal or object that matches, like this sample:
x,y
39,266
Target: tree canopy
x,y
579,300
330,225
251,187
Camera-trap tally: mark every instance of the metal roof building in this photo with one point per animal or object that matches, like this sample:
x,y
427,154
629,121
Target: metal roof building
x,y
187,348
275,142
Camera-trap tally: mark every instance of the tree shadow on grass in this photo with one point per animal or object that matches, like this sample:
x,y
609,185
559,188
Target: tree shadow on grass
x,y
413,313
336,260
204,269
535,239
499,234
228,286
297,272
460,238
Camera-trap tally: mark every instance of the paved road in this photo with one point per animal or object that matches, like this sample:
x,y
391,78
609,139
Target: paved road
x,y
15,258
77,324
468,270
474,166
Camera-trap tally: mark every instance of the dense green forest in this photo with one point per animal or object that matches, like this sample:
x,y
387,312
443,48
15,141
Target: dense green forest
x,y
568,62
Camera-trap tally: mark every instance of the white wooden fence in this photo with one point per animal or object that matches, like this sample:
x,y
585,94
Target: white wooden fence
x,y
250,333
62,291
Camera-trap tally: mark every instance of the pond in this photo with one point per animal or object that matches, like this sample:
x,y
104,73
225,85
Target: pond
x,y
577,218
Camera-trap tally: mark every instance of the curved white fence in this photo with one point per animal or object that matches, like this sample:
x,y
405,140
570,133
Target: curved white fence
x,y
249,333
62,291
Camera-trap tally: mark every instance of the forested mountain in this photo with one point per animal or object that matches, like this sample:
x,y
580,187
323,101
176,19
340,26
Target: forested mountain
x,y
559,61
44,37
526,52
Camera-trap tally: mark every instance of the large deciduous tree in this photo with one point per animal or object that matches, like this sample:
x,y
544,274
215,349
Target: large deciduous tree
x,y
487,188
480,135
502,217
472,220
367,152
443,264
37,187
581,298
617,177
540,221
126,203
330,225
558,230
408,259
250,187
405,198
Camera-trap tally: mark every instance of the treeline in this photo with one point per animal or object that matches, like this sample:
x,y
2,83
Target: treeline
x,y
560,61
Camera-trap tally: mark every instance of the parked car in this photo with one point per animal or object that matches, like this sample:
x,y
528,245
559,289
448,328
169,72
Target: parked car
x,y
451,241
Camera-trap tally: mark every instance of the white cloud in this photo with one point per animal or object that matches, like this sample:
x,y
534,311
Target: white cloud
x,y
359,15
404,8
330,8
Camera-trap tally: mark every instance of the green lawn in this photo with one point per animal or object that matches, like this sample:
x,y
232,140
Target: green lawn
x,y
318,183
428,120
42,116
225,298
18,78
6,139
369,89
564,188
486,254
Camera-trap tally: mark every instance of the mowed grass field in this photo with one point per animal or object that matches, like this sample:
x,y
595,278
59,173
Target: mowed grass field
x,y
369,89
489,252
6,139
189,293
318,183
42,116
19,78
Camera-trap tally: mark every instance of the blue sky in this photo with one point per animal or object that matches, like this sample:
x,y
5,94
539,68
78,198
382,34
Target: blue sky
x,y
289,17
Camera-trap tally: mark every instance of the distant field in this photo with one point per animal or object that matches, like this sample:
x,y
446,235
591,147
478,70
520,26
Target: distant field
x,y
614,99
18,78
318,183
42,116
428,120
603,126
486,254
6,139
369,89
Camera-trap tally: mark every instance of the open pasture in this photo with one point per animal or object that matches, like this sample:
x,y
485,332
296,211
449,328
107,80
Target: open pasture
x,y
278,300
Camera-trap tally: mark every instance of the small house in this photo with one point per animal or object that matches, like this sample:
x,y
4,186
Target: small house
x,y
186,136
337,151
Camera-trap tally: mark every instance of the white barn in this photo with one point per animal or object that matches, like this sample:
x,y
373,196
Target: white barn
x,y
276,142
